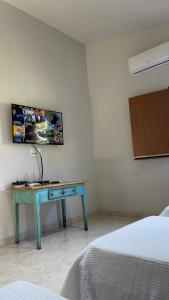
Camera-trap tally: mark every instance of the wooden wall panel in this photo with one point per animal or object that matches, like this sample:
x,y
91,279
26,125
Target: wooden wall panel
x,y
149,115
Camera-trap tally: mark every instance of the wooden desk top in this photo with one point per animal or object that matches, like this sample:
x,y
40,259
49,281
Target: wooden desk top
x,y
45,186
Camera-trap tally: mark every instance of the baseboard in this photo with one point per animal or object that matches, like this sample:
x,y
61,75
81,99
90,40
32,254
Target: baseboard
x,y
135,215
7,241
45,230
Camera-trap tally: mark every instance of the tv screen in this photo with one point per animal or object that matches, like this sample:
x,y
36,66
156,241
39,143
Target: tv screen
x,y
36,126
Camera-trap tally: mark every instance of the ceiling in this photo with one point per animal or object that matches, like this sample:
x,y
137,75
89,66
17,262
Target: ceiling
x,y
92,20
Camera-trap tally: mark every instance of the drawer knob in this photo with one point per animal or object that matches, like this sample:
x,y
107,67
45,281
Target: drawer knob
x,y
63,192
51,194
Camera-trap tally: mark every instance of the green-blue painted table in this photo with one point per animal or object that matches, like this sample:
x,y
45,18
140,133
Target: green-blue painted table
x,y
45,194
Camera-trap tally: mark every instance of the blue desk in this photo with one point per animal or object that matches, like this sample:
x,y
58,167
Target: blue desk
x,y
46,194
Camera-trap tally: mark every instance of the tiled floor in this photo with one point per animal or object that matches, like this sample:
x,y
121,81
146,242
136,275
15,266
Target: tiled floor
x,y
49,266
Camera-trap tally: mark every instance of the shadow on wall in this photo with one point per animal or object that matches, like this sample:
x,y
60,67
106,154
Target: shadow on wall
x,y
110,167
128,185
7,217
5,124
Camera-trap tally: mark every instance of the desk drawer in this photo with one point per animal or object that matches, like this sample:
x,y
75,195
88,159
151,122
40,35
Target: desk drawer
x,y
58,193
70,191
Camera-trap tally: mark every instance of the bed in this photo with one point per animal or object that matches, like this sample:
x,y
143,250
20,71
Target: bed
x,y
22,290
130,263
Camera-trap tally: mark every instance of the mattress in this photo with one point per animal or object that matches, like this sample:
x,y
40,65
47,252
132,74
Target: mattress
x,y
131,263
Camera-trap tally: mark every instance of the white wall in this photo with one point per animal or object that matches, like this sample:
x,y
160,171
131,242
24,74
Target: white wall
x,y
42,67
123,183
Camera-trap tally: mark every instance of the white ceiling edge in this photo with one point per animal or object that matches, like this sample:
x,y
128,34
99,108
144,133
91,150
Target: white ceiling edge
x,y
93,20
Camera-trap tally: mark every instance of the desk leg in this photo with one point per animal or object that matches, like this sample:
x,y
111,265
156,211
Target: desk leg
x,y
63,204
84,209
37,224
17,240
58,212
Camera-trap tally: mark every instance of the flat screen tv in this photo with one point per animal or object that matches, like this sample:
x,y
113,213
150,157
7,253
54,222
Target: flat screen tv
x,y
32,125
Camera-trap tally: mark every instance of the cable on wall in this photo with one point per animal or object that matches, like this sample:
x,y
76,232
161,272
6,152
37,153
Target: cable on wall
x,y
41,160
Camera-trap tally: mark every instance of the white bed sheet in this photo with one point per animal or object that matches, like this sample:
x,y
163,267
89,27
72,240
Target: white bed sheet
x,y
131,263
22,290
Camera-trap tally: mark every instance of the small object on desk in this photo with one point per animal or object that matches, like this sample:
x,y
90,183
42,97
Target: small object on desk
x,y
55,181
18,186
43,182
19,183
33,184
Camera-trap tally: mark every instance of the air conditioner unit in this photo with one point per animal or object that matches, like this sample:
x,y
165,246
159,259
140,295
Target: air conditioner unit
x,y
149,59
